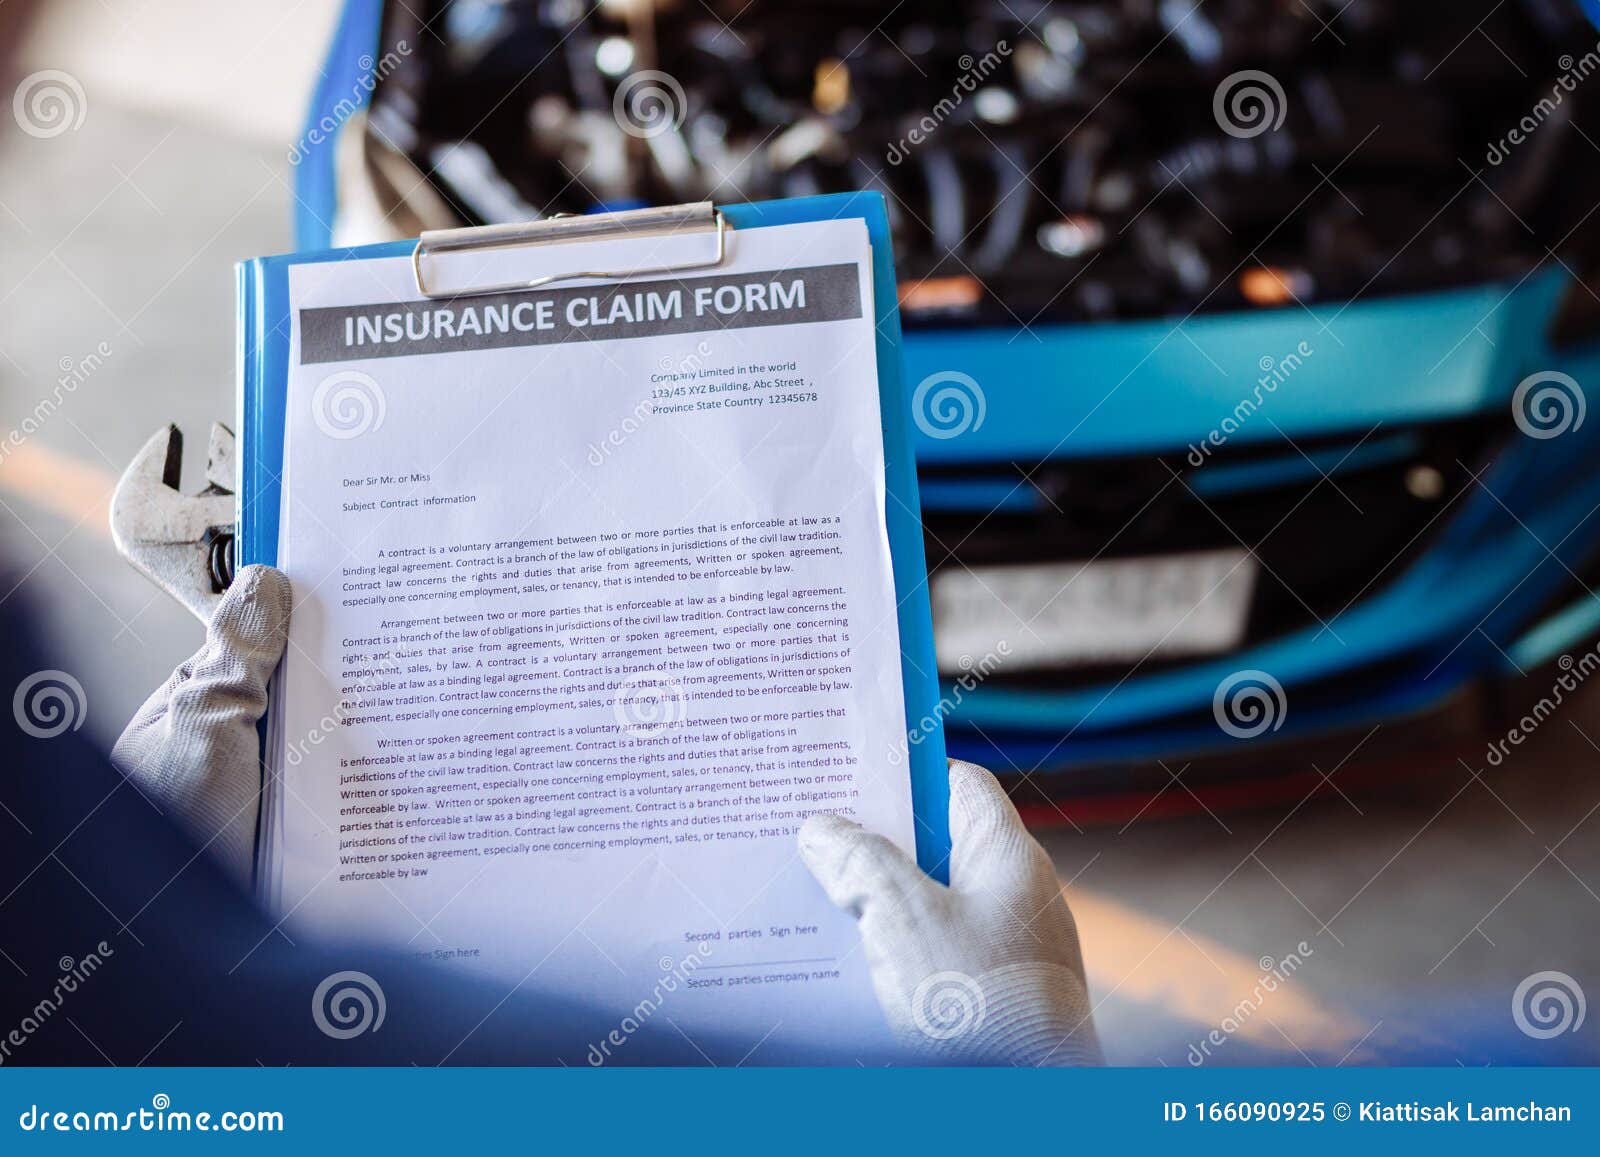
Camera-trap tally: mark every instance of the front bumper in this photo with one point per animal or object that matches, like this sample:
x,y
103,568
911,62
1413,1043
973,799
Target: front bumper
x,y
1375,603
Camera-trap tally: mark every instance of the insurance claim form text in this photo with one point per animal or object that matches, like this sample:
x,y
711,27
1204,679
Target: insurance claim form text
x,y
593,606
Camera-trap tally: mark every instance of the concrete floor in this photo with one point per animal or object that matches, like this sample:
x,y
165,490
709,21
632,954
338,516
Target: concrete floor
x,y
1421,906
1425,902
124,231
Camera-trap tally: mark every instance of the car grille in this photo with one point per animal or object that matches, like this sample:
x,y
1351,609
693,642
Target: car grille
x,y
1327,531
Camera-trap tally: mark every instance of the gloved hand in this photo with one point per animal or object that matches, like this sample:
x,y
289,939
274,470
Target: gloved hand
x,y
986,971
192,747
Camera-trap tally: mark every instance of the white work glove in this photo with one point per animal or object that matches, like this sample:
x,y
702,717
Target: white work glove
x,y
192,748
986,971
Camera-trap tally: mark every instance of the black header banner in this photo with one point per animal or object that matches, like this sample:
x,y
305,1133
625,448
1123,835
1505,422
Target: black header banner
x,y
588,313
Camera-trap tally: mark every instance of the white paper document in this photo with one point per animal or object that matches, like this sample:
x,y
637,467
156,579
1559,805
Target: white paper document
x,y
593,606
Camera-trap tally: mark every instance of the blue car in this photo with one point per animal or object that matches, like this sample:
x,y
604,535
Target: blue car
x,y
1248,355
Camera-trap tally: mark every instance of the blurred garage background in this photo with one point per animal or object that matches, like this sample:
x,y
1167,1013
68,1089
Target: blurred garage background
x,y
1368,872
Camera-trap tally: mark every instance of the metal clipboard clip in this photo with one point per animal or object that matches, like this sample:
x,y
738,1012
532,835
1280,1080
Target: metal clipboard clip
x,y
668,219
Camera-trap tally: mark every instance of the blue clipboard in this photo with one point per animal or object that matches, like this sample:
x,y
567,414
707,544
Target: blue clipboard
x,y
263,358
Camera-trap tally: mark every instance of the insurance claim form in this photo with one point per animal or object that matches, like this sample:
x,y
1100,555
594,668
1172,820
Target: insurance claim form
x,y
593,606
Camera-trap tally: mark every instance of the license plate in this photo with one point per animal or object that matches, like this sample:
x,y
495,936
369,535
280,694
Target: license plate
x,y
1077,613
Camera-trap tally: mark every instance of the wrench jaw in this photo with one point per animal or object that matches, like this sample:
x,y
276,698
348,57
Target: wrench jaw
x,y
181,542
